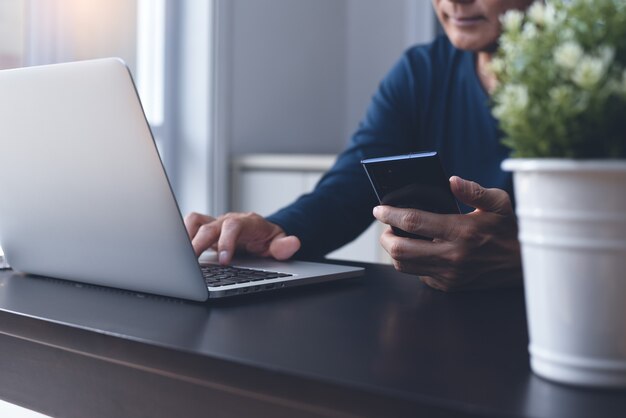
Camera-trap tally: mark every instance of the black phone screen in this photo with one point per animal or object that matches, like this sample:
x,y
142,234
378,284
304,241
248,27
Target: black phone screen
x,y
411,181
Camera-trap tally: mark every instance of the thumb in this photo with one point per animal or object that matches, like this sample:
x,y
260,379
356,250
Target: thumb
x,y
283,247
476,196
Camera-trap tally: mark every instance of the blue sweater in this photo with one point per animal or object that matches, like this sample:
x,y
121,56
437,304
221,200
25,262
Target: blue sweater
x,y
431,100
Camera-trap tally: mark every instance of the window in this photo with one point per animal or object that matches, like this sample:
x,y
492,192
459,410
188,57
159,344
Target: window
x,y
70,30
168,46
151,58
11,34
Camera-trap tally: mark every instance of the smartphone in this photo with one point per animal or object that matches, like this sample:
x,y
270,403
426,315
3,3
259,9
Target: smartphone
x,y
411,181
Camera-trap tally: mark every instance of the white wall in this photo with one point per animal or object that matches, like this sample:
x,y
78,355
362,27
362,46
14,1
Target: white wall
x,y
378,32
303,71
288,75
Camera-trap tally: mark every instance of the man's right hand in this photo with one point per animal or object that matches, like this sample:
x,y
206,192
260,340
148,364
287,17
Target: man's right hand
x,y
239,231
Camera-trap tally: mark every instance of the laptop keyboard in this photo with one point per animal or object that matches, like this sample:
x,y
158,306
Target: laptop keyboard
x,y
215,275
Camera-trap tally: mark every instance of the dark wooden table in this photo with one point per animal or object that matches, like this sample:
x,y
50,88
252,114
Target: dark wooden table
x,y
382,345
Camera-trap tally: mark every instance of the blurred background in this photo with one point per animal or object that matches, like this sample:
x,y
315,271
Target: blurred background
x,y
242,95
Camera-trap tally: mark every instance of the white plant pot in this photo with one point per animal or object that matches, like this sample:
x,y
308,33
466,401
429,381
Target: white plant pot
x,y
572,229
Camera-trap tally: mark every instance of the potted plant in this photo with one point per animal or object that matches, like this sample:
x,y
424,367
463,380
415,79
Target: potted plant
x,y
561,103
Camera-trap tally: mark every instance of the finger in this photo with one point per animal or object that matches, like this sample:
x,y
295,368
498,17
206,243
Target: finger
x,y
231,229
434,283
194,221
417,221
206,236
476,196
282,248
414,251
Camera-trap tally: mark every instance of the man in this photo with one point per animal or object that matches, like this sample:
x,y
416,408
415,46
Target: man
x,y
435,98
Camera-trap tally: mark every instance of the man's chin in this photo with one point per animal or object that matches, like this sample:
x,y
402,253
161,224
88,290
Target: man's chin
x,y
468,43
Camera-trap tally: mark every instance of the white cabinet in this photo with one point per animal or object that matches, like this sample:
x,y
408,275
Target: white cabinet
x,y
263,183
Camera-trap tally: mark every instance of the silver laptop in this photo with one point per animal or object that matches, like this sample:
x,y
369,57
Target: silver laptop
x,y
84,196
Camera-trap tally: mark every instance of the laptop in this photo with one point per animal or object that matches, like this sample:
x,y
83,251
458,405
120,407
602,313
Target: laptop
x,y
85,196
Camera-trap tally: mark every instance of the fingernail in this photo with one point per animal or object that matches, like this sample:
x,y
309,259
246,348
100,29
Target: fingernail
x,y
223,257
376,210
460,184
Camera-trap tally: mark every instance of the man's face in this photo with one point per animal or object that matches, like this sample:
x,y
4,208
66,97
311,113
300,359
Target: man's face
x,y
474,25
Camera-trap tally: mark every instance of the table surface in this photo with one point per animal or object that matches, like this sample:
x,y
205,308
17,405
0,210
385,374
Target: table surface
x,y
385,333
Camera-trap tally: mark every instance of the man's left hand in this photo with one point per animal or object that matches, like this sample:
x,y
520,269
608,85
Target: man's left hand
x,y
472,251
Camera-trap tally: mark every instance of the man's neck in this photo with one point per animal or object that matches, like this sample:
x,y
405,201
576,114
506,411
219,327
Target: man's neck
x,y
485,75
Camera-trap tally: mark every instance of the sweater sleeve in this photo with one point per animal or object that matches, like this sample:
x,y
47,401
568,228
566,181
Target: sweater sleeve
x,y
340,206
